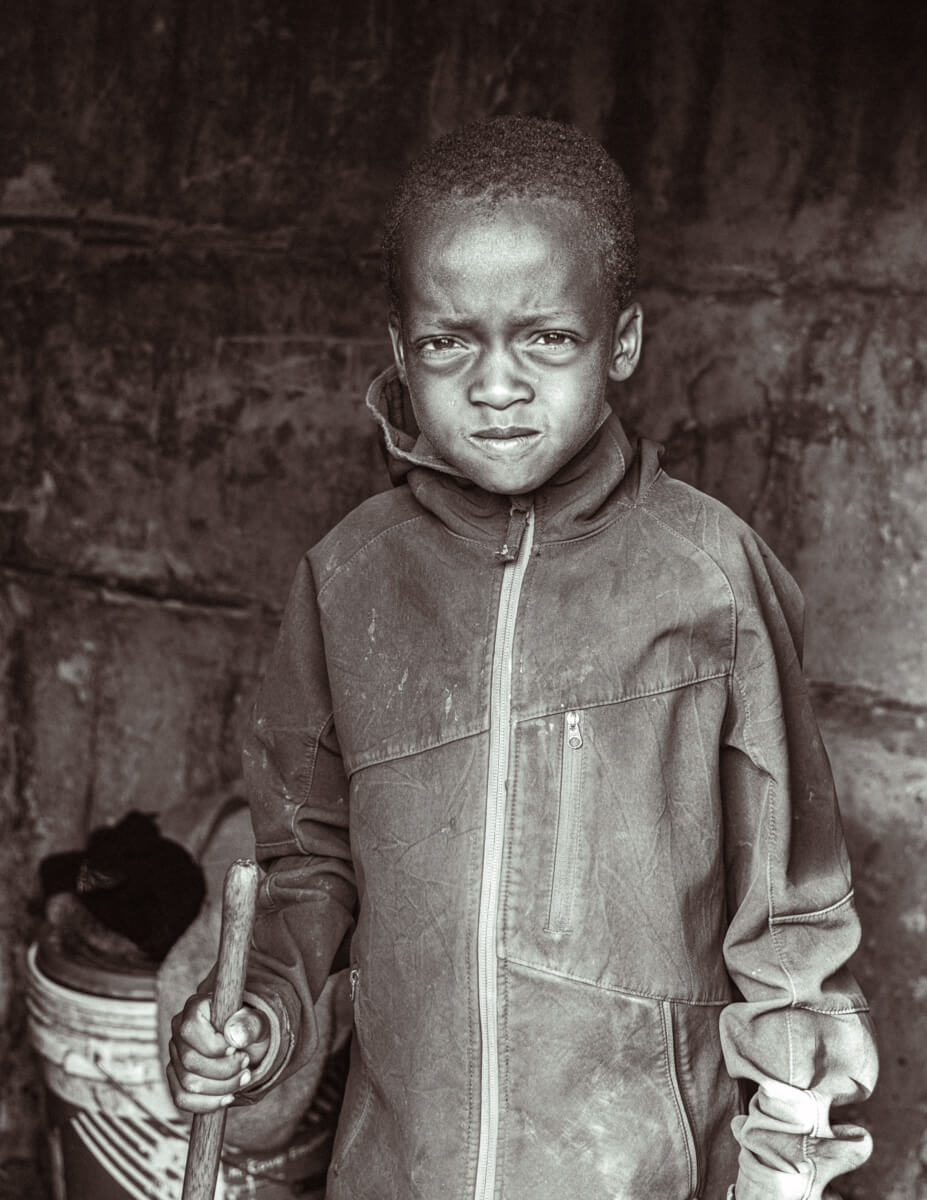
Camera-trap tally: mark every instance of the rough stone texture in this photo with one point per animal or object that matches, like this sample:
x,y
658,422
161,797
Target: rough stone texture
x,y
189,311
805,412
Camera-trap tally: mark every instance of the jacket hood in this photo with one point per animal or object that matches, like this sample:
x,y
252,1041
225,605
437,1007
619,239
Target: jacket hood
x,y
406,446
577,500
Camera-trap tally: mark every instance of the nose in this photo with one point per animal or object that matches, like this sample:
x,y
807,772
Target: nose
x,y
499,381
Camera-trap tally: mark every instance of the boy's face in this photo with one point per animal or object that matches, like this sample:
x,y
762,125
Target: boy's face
x,y
506,338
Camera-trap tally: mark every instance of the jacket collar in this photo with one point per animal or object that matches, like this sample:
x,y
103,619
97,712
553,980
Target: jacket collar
x,y
578,500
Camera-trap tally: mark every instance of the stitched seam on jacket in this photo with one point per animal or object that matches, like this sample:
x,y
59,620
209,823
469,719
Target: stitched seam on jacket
x,y
358,1123
816,913
770,923
626,507
361,762
658,474
278,848
751,751
488,546
622,991
307,763
812,1173
685,1128
732,605
542,502
587,706
799,1006
336,571
757,759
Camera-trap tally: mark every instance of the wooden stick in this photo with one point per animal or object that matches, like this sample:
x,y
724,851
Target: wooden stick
x,y
208,1129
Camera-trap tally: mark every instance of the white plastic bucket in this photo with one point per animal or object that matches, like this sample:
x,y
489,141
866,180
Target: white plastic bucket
x,y
113,1129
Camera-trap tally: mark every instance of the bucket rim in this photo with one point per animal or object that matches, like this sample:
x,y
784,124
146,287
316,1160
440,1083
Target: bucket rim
x,y
83,975
142,1000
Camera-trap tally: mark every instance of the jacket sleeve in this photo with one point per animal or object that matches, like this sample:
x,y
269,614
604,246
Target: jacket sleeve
x,y
298,794
799,1030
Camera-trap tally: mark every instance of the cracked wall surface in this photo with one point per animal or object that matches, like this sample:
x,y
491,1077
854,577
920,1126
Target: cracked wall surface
x,y
190,310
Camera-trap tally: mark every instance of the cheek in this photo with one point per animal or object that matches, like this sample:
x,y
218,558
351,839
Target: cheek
x,y
583,409
432,405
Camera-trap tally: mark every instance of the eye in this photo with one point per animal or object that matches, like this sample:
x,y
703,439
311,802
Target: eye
x,y
438,345
555,339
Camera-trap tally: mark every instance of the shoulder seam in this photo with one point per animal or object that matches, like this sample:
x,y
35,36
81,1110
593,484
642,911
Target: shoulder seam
x,y
671,529
336,571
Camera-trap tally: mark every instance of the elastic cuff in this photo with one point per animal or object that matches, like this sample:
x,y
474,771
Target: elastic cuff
x,y
274,1060
760,1183
279,1051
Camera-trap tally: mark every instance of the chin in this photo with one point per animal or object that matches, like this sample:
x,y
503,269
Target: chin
x,y
510,487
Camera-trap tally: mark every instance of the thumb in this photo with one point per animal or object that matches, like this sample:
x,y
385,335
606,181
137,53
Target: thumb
x,y
245,1028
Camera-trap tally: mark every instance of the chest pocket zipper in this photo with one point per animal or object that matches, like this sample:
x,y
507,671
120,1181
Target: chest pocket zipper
x,y
572,759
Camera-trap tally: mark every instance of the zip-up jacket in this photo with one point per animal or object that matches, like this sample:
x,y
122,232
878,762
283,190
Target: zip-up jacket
x,y
545,773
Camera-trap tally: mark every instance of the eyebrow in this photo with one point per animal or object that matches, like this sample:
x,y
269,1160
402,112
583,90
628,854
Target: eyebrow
x,y
465,321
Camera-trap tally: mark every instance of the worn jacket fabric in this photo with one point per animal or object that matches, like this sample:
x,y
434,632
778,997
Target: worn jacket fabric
x,y
546,775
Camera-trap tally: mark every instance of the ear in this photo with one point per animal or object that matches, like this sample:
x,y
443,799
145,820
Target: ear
x,y
395,336
626,342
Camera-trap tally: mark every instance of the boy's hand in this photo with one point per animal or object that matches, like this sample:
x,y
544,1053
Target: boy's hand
x,y
207,1068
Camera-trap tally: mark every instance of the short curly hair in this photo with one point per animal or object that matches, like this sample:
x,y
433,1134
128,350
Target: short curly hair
x,y
514,158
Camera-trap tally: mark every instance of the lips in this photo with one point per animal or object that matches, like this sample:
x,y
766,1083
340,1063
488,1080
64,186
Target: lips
x,y
503,432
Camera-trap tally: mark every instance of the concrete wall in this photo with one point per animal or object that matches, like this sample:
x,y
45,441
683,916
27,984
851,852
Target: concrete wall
x,y
189,310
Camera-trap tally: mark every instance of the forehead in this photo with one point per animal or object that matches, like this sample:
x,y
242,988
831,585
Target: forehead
x,y
518,244
562,215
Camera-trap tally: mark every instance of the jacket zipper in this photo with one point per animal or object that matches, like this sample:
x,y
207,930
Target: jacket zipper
x,y
500,720
559,914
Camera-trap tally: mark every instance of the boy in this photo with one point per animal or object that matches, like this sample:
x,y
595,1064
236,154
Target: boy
x,y
534,751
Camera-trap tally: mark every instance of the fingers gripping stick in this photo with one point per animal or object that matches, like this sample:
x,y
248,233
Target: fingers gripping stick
x,y
208,1129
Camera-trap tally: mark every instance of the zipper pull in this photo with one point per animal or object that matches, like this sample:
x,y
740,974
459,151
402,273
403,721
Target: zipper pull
x,y
354,977
515,531
574,736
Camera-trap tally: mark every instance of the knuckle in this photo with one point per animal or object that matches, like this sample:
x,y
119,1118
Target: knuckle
x,y
185,1028
188,1081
